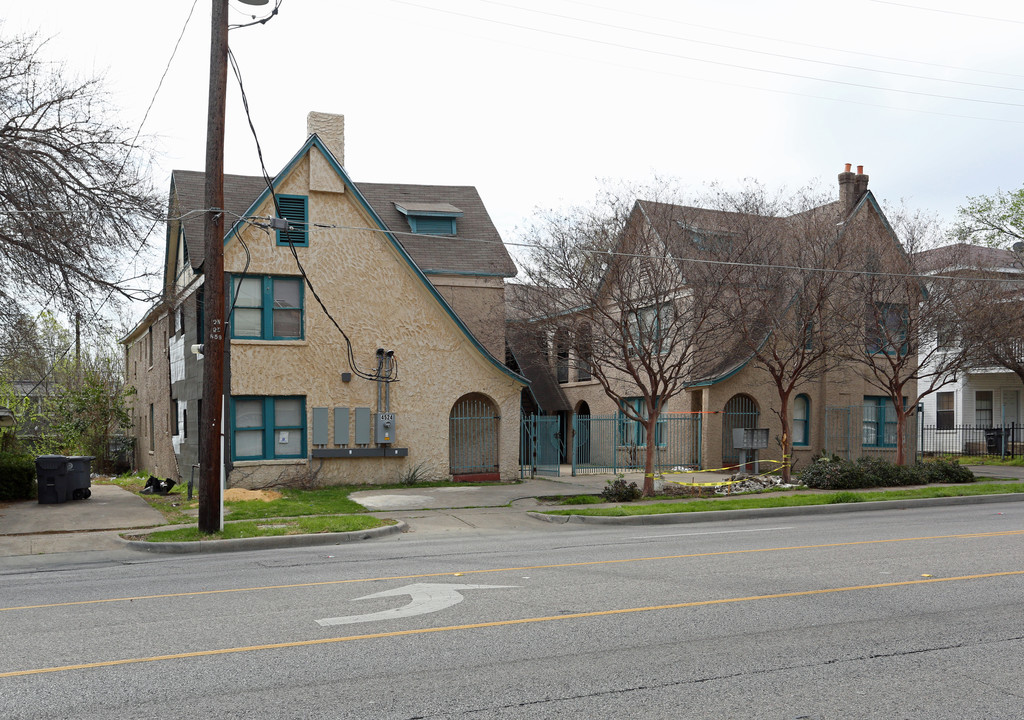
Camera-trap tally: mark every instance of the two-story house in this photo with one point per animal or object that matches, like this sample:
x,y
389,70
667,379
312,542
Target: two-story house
x,y
837,409
365,338
981,408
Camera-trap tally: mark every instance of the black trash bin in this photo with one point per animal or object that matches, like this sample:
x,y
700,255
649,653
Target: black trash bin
x,y
994,441
52,476
80,472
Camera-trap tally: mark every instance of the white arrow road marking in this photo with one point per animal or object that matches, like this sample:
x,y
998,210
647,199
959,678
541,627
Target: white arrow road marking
x,y
426,598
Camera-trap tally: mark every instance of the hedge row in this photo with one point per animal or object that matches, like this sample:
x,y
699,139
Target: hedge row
x,y
17,477
833,473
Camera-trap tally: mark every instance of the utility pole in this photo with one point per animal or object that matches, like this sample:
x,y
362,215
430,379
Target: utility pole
x,y
211,422
213,269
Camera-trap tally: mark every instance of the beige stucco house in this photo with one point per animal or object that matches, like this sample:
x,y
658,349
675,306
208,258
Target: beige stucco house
x,y
366,338
838,410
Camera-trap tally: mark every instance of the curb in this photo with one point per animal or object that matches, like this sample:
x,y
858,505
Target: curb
x,y
265,543
714,515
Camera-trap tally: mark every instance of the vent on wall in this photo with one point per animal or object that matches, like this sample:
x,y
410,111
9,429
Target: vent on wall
x,y
430,218
294,208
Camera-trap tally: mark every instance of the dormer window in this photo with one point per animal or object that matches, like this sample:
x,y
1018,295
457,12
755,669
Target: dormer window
x,y
430,218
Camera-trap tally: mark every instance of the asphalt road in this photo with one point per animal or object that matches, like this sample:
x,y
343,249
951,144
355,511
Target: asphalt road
x,y
890,614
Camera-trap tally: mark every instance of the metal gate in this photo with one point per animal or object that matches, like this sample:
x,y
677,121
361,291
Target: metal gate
x,y
473,437
540,446
613,443
740,412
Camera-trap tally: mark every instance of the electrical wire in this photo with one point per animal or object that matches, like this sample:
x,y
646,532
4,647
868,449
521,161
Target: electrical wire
x,y
662,53
259,21
159,85
948,12
845,51
614,253
378,376
783,56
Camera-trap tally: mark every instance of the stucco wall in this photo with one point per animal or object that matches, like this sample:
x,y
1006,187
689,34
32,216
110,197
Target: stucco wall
x,y
379,302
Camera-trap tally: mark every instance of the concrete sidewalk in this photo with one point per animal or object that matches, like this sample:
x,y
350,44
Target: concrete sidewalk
x,y
31,528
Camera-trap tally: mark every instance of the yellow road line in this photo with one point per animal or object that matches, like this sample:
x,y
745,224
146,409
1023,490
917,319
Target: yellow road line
x,y
450,573
497,623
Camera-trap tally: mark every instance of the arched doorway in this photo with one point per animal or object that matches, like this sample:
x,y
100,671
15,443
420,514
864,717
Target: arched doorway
x,y
581,435
473,425
740,411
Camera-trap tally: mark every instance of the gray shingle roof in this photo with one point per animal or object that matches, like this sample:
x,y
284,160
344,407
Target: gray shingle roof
x,y
475,249
188,191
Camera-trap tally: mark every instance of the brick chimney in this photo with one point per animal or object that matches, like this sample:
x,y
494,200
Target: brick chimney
x,y
861,186
852,187
331,129
847,182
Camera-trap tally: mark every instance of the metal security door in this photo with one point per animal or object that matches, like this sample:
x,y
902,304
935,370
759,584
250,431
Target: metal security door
x,y
740,412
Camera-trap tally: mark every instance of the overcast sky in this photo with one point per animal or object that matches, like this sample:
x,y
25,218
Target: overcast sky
x,y
532,101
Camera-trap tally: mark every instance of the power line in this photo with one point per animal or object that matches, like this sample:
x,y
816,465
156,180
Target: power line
x,y
846,51
612,253
750,50
678,56
948,12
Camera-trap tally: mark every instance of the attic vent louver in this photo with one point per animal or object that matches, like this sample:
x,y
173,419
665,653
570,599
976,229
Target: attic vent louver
x,y
430,218
294,208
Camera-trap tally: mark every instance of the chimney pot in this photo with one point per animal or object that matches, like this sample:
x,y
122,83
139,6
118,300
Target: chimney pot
x,y
860,169
848,166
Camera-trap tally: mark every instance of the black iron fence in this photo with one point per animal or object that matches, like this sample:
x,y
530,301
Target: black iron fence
x,y
976,440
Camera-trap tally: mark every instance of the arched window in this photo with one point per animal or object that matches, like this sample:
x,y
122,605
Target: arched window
x,y
802,421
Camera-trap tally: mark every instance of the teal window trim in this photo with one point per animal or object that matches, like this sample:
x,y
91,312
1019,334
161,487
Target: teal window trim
x,y
294,209
802,425
270,303
431,222
426,225
879,426
268,428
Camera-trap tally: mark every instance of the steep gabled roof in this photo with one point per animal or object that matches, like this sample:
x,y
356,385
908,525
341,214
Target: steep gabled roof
x,y
964,256
475,249
188,187
256,189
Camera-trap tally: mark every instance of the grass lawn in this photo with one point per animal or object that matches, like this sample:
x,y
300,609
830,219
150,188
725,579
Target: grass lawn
x,y
743,503
250,528
987,460
331,500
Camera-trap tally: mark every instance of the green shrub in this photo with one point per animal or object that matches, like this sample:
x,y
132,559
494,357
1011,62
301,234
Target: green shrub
x,y
886,474
833,473
945,471
619,491
17,477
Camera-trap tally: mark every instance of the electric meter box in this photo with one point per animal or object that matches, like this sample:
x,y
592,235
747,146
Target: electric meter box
x,y
384,428
749,438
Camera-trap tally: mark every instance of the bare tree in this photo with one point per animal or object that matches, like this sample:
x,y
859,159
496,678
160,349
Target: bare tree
x,y
75,194
905,315
640,316
788,284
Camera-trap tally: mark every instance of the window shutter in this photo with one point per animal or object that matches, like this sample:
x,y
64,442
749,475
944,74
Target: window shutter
x,y
294,209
